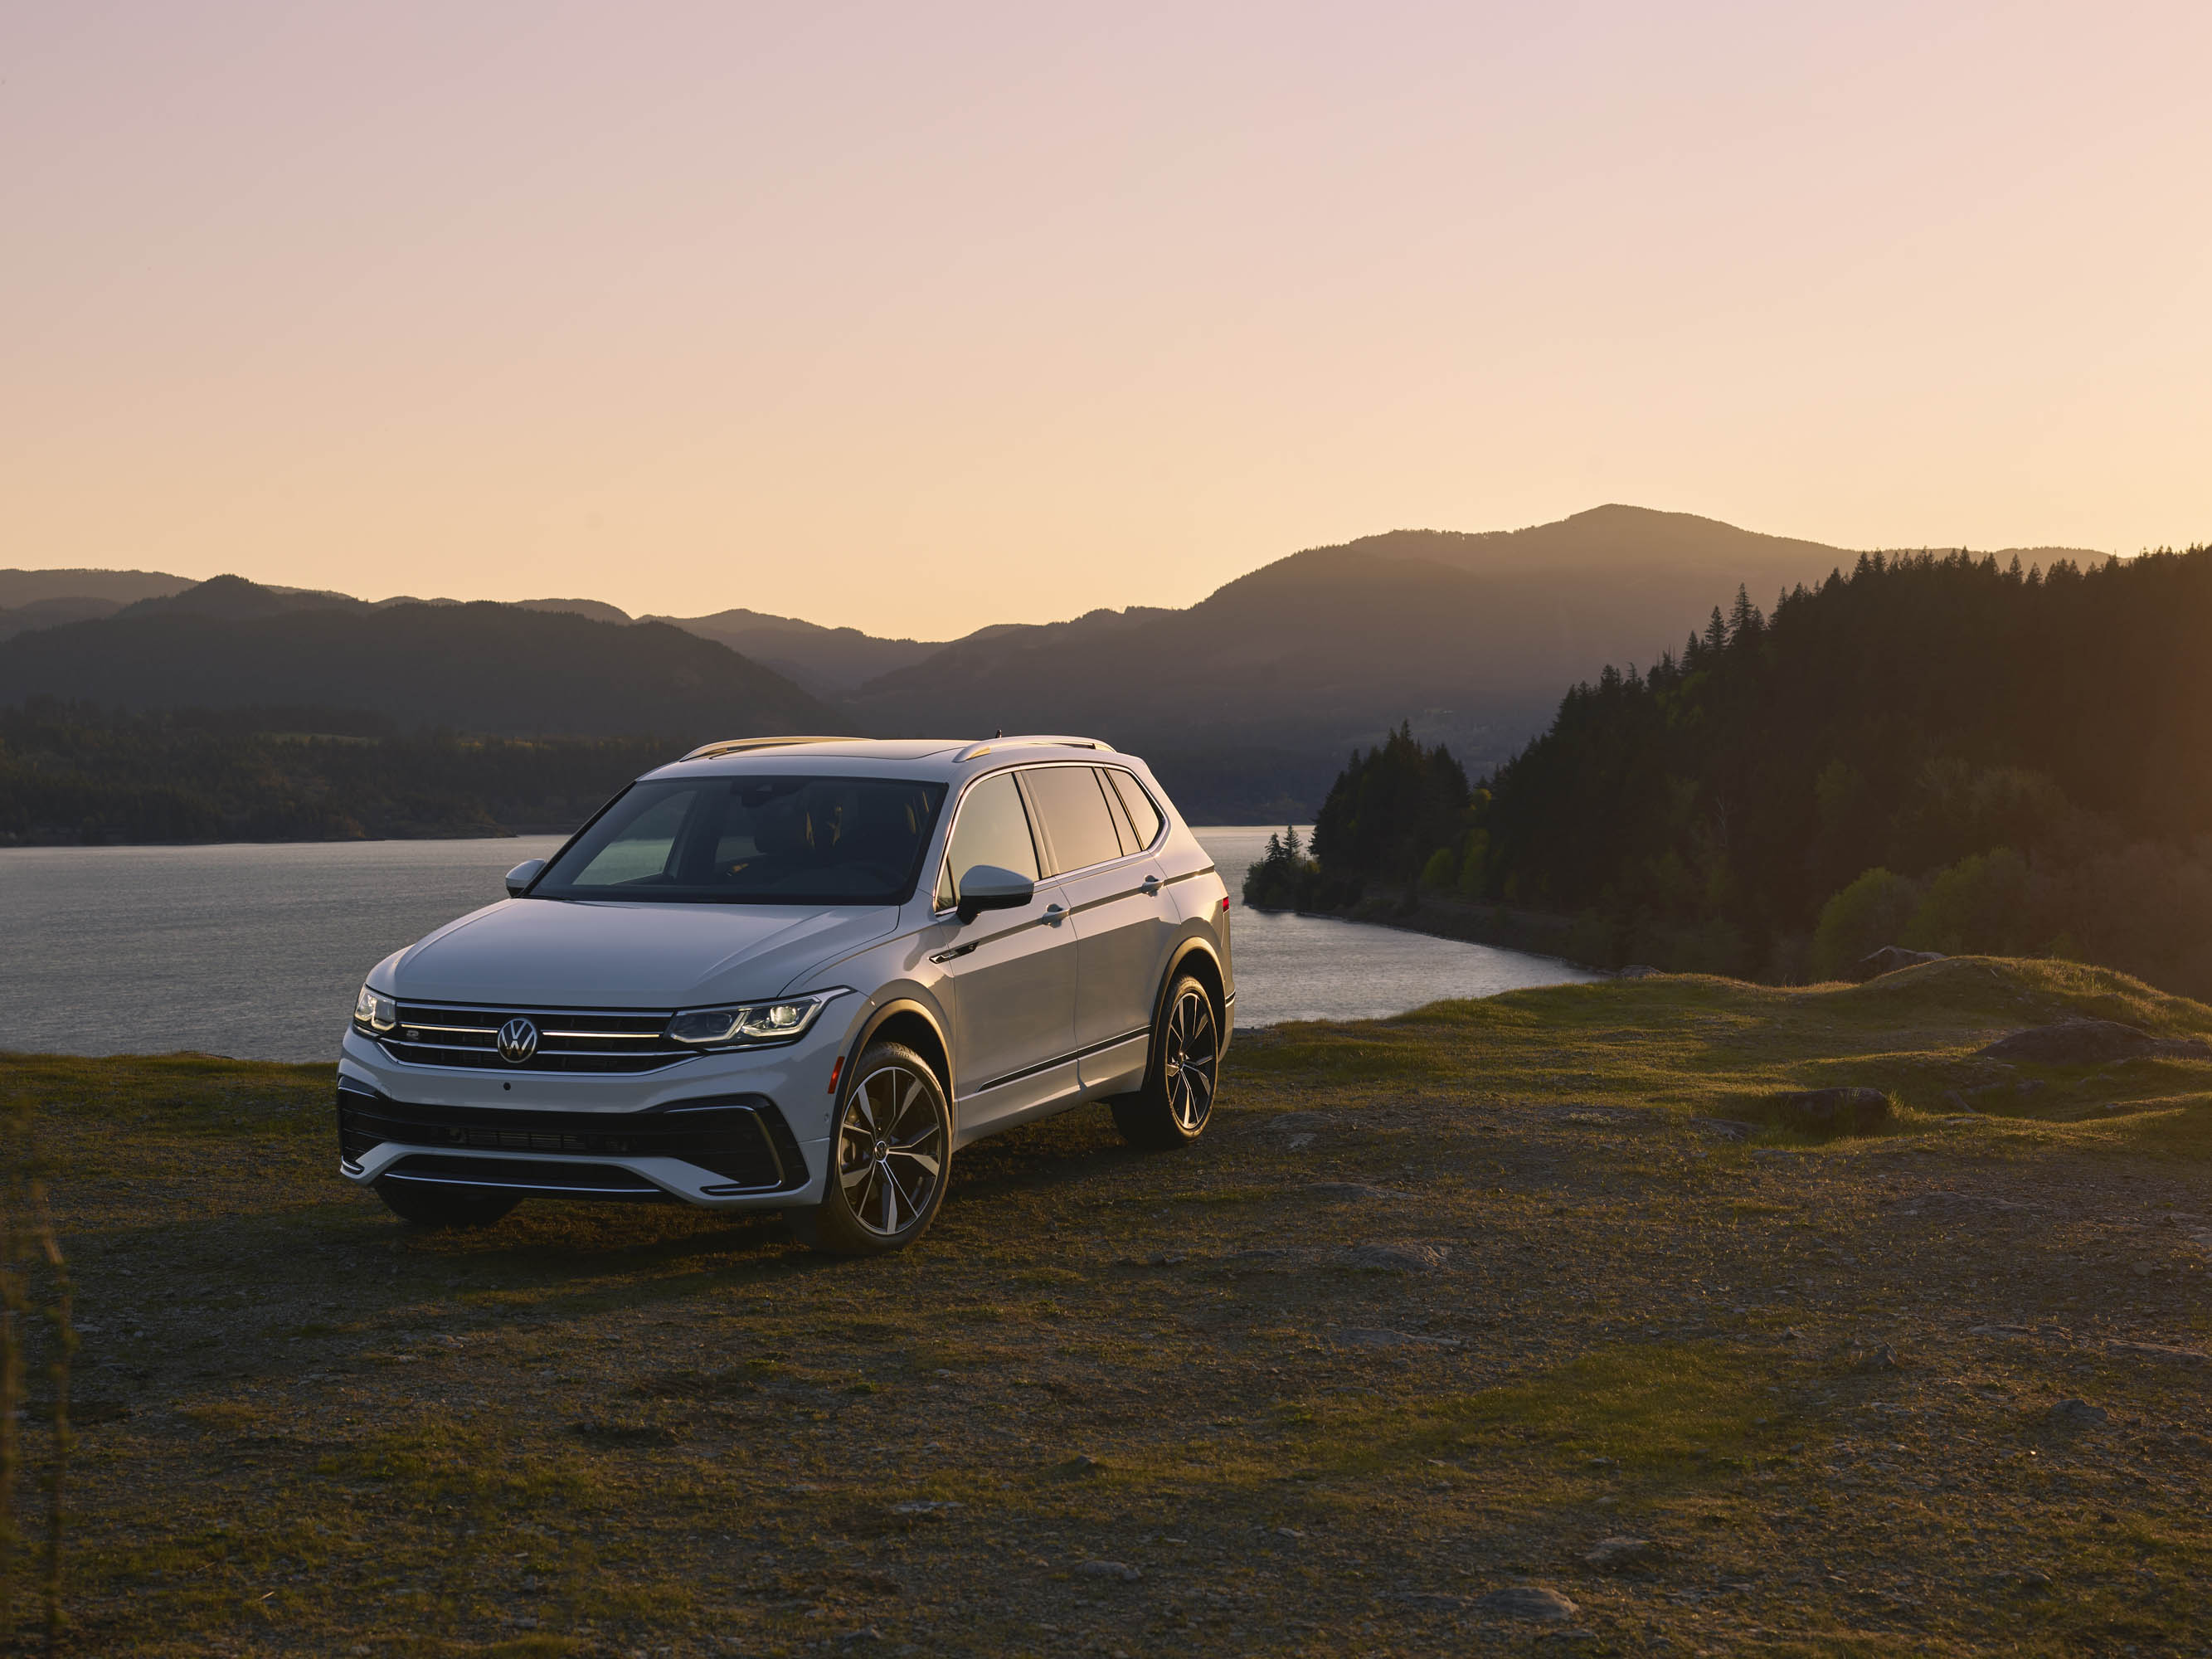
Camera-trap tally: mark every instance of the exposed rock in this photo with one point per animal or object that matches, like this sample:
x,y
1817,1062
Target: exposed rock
x,y
1950,1206
1117,1570
2078,1414
1403,1257
2182,1047
1880,1356
1834,1111
1890,958
1638,970
1956,1101
2161,1351
1528,1602
2073,1043
1622,1554
1723,1128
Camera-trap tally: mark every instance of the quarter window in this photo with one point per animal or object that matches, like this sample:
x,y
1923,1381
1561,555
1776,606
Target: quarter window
x,y
993,828
1077,831
1142,813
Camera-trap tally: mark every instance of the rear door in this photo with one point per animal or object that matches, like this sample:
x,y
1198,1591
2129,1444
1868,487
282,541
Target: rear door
x,y
1112,890
1012,973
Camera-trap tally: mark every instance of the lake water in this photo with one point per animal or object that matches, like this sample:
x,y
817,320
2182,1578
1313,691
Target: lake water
x,y
257,951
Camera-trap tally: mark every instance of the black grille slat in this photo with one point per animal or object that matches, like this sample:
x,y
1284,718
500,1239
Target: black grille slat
x,y
466,1037
742,1138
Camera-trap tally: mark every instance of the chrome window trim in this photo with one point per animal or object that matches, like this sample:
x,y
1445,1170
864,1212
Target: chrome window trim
x,y
1159,835
952,826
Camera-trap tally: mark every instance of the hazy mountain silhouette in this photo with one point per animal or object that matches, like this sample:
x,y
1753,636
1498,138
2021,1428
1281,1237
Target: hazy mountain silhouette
x,y
52,613
828,661
487,668
120,587
1472,637
236,599
1247,701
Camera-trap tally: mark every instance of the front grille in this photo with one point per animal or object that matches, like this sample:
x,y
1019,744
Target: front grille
x,y
577,1180
569,1039
741,1138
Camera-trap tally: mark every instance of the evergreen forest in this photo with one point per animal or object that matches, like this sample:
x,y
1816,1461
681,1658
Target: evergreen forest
x,y
1932,750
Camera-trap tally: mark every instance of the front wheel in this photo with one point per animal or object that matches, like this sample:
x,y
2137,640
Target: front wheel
x,y
1173,1106
426,1204
889,1159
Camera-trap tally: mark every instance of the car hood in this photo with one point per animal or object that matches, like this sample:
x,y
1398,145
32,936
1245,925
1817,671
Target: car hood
x,y
570,954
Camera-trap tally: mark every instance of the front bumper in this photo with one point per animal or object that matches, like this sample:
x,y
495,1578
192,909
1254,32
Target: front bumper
x,y
743,1130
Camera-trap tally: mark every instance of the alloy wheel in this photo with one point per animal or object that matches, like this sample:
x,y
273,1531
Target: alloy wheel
x,y
891,1151
1194,1052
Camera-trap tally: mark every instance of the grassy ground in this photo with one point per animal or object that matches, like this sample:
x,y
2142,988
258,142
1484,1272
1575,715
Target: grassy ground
x,y
1438,1304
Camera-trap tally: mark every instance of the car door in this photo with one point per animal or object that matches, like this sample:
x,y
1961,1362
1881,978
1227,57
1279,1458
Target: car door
x,y
1012,973
1112,890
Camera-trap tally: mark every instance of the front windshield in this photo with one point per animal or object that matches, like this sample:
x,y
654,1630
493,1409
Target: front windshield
x,y
752,839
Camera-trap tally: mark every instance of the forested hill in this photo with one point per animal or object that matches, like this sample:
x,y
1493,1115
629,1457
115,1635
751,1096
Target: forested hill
x,y
486,669
1939,751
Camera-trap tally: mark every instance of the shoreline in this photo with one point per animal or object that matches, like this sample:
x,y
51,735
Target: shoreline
x,y
1532,932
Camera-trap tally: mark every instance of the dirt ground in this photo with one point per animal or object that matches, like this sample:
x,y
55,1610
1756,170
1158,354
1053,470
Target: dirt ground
x,y
1438,1306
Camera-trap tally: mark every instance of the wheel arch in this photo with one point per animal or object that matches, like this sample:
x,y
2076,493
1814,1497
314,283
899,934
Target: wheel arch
x,y
908,1020
1197,957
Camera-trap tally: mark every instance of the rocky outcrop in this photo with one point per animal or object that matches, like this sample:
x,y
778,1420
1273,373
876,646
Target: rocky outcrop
x,y
2073,1043
1833,1111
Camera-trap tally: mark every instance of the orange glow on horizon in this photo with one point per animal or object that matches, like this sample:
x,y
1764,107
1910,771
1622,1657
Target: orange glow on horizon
x,y
917,319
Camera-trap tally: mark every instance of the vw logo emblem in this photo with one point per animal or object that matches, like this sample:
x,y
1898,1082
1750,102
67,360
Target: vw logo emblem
x,y
517,1040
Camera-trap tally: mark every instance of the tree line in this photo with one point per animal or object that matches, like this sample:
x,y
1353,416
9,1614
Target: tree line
x,y
80,773
1930,751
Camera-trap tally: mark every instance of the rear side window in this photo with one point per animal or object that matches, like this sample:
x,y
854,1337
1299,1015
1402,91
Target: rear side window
x,y
1079,830
993,828
1142,813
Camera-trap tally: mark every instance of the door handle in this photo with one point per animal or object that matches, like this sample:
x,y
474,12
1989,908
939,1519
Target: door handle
x,y
1054,915
1151,886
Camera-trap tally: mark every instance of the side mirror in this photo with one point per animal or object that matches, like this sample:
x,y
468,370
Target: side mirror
x,y
988,887
522,875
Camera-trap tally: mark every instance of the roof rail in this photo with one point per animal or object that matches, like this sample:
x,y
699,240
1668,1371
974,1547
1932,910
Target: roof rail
x,y
738,745
974,750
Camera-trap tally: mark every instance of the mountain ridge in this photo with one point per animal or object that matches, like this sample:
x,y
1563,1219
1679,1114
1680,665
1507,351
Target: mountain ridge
x,y
1246,701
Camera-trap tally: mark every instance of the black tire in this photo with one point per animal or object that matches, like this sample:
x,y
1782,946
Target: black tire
x,y
426,1204
890,1153
1177,1103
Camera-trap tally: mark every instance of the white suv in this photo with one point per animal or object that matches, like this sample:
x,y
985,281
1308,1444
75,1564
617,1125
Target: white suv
x,y
795,974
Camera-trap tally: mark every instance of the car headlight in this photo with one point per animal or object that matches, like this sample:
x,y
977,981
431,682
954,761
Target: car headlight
x,y
782,1021
374,1012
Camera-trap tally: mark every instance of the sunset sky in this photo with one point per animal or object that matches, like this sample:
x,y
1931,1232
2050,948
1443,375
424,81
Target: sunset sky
x,y
921,317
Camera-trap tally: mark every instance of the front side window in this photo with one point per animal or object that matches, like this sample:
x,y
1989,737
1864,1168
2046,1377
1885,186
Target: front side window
x,y
1077,825
752,839
994,828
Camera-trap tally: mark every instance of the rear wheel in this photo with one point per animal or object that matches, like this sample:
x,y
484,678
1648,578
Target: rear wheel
x,y
1173,1107
889,1159
426,1204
